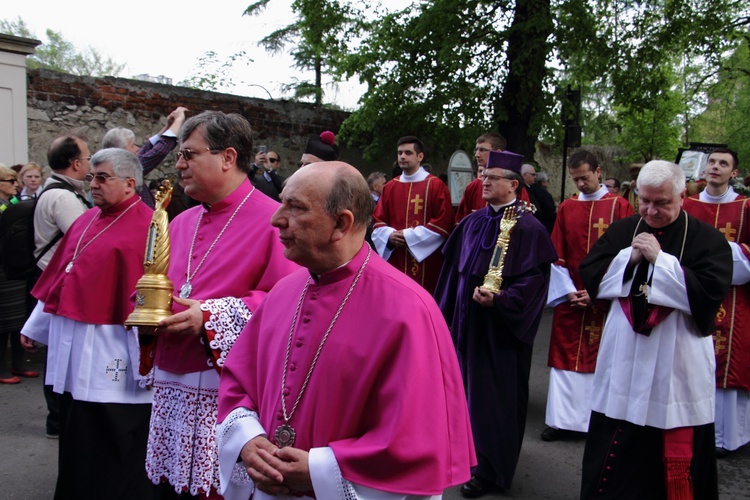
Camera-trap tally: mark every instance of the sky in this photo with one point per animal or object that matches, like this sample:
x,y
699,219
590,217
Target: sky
x,y
168,37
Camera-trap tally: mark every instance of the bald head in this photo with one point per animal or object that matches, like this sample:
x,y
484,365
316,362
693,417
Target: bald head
x,y
324,212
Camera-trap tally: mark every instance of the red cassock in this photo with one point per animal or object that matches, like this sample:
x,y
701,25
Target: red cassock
x,y
732,335
576,333
472,199
411,204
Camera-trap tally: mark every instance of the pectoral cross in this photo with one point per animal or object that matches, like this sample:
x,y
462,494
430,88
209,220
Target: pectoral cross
x,y
600,227
593,332
418,203
728,232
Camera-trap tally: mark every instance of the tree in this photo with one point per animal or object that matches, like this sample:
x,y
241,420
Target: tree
x,y
59,54
214,74
320,32
449,69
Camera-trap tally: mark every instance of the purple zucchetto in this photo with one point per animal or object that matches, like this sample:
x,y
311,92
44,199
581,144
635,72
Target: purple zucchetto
x,y
505,159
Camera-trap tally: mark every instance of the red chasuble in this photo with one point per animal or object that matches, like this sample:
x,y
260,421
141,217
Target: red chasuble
x,y
102,279
576,333
732,335
411,204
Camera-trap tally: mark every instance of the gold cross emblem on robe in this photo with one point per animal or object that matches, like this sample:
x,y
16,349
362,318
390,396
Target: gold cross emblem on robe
x,y
418,204
594,332
728,232
600,227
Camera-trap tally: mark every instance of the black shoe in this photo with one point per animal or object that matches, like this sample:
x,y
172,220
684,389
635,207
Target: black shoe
x,y
722,452
552,434
476,487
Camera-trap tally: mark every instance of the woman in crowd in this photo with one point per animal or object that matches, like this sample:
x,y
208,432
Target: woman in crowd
x,y
12,300
30,179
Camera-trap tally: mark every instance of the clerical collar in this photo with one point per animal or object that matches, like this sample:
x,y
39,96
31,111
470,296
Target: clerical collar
x,y
729,195
117,209
233,198
596,195
497,208
344,271
420,175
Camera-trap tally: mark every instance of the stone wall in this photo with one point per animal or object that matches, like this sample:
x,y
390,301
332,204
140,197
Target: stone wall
x,y
60,103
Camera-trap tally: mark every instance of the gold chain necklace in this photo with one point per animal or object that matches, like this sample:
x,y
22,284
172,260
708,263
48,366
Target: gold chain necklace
x,y
285,435
187,288
77,253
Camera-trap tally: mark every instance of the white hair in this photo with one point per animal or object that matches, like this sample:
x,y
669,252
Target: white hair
x,y
124,163
118,137
656,172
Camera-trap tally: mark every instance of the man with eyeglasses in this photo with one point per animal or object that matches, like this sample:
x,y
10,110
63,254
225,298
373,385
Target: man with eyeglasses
x,y
413,217
612,185
472,198
540,197
225,257
264,174
84,299
578,321
494,332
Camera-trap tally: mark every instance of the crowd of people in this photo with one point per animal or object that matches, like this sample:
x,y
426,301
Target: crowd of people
x,y
265,381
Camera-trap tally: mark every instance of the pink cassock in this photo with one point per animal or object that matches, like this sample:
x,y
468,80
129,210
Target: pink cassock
x,y
100,284
246,262
386,394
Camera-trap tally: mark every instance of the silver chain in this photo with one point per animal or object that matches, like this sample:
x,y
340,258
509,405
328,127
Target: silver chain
x,y
322,342
76,253
195,235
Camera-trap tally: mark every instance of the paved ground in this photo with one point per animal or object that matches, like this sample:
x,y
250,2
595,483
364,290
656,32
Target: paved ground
x,y
28,460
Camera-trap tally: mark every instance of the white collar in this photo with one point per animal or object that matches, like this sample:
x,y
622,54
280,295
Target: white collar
x,y
729,195
596,195
420,175
497,208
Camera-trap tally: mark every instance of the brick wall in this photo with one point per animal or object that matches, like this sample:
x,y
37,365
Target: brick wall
x,y
60,103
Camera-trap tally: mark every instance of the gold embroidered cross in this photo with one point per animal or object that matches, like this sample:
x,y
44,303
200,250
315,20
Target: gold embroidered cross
x,y
728,231
720,342
601,227
418,202
593,332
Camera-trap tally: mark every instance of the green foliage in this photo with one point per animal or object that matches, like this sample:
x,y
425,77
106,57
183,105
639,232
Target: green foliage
x,y
58,54
320,35
213,73
725,119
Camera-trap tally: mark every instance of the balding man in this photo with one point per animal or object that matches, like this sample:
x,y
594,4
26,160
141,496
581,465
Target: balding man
x,y
540,197
307,353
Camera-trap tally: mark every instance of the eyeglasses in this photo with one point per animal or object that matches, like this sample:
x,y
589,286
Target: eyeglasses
x,y
10,181
87,158
479,149
102,178
273,160
188,154
494,178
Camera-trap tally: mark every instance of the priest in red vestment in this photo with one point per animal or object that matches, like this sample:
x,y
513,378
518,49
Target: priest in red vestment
x,y
84,297
578,321
413,218
325,396
720,206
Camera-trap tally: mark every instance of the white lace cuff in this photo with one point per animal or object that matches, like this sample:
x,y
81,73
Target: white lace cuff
x,y
239,427
227,318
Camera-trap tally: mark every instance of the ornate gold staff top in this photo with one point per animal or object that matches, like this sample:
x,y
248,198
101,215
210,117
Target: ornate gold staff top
x,y
494,277
153,292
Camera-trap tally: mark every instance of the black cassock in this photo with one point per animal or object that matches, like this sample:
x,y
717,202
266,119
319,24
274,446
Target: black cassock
x,y
494,344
